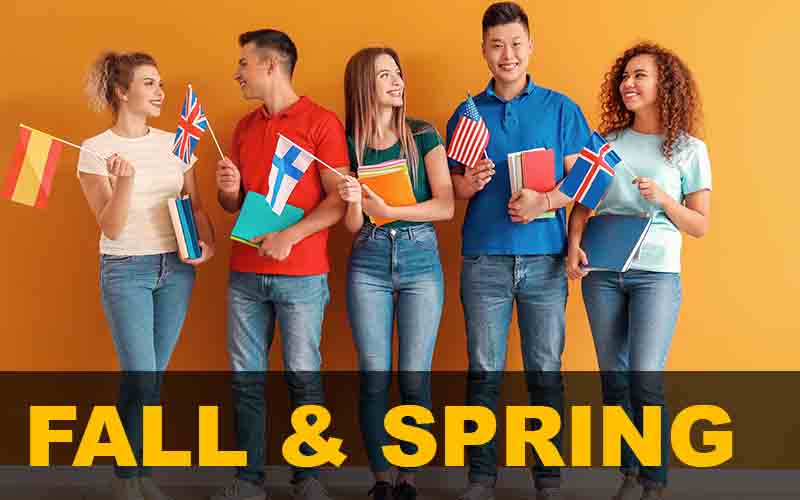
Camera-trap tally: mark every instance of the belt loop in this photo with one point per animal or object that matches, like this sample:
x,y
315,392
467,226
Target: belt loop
x,y
412,234
372,231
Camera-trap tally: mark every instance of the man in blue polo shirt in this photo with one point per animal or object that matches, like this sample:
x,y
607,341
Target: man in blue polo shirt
x,y
510,255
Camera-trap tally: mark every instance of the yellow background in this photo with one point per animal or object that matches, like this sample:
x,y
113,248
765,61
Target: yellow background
x,y
740,281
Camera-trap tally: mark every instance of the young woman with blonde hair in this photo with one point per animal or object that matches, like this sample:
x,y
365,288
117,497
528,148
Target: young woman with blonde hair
x,y
145,286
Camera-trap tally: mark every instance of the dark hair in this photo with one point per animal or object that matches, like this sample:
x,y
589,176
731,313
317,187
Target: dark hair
x,y
678,97
275,40
504,13
110,72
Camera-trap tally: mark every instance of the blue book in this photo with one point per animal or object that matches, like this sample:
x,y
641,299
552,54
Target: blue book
x,y
187,238
611,242
188,212
256,218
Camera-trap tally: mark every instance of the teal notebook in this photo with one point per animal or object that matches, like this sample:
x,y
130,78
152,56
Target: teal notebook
x,y
256,218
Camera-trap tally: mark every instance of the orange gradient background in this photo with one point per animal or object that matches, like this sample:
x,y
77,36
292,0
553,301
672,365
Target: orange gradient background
x,y
740,281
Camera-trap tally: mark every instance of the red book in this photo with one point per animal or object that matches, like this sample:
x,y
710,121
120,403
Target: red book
x,y
539,170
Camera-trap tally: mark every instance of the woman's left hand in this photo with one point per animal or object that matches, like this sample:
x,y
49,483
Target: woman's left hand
x,y
373,205
650,190
206,252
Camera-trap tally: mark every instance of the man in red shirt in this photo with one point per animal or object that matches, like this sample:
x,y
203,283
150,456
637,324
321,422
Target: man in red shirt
x,y
285,278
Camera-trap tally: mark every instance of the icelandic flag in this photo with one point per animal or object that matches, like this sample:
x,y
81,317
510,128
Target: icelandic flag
x,y
289,164
592,173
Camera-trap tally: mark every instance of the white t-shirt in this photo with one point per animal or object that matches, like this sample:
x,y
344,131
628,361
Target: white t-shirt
x,y
159,176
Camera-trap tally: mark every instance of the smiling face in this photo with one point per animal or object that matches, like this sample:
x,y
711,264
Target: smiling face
x,y
507,49
145,95
252,73
639,85
389,85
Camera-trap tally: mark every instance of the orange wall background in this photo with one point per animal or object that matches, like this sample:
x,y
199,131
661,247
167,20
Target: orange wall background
x,y
740,281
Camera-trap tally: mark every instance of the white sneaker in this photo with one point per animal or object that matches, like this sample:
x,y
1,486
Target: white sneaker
x,y
477,491
151,491
548,494
126,488
628,490
309,489
238,489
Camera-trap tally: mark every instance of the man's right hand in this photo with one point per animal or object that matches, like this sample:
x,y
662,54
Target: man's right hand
x,y
229,180
479,175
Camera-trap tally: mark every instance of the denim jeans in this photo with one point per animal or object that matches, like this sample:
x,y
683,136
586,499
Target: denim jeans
x,y
490,285
255,303
632,316
393,274
145,299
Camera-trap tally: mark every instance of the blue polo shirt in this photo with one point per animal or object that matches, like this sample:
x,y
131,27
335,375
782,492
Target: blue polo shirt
x,y
537,117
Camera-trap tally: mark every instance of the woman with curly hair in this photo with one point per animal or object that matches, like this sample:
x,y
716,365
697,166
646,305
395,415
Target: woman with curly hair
x,y
650,113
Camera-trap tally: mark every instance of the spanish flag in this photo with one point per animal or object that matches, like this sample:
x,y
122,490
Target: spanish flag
x,y
29,177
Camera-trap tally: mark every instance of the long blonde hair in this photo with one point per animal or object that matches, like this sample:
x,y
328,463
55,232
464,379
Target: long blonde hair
x,y
361,108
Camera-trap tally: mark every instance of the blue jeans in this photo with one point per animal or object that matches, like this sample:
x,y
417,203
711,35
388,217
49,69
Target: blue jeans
x,y
255,303
394,273
632,316
145,299
490,284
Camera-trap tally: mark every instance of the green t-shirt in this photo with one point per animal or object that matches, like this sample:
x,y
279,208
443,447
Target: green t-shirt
x,y
426,138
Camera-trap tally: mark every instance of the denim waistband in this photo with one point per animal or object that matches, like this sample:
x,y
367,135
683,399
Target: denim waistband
x,y
406,233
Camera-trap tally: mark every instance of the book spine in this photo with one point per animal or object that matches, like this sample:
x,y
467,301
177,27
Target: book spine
x,y
189,213
176,226
185,228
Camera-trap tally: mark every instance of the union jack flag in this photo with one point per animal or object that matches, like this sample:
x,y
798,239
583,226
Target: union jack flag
x,y
592,173
192,125
470,136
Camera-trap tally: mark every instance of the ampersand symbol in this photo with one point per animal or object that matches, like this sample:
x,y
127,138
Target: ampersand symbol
x,y
327,450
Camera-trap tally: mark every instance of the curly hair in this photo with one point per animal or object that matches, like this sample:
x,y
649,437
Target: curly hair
x,y
678,97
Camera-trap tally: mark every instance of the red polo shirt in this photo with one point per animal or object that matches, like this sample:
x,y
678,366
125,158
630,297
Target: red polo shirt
x,y
314,129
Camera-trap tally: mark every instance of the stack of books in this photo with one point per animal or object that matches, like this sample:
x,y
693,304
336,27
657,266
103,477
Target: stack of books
x,y
533,169
182,215
390,181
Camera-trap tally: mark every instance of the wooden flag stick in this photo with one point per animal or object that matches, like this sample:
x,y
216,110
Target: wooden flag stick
x,y
222,156
65,142
311,155
213,136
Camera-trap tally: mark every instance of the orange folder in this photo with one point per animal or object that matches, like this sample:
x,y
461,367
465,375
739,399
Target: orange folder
x,y
390,181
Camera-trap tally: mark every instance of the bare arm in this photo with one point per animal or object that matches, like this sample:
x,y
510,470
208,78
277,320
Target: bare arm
x,y
441,205
691,217
468,181
109,203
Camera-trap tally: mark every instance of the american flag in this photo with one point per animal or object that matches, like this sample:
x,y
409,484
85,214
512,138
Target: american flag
x,y
192,125
470,136
592,173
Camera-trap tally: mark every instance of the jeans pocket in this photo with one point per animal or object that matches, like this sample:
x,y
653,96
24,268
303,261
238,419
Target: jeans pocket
x,y
117,258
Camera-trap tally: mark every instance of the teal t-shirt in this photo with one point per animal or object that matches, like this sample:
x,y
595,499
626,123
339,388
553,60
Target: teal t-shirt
x,y
687,172
426,138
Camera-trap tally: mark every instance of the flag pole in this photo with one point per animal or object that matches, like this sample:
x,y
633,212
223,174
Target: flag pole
x,y
65,142
213,136
222,156
311,155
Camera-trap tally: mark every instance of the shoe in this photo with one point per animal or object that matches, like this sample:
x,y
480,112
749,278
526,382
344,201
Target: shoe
x,y
548,494
151,491
309,489
239,489
126,488
477,491
628,489
404,491
381,490
653,493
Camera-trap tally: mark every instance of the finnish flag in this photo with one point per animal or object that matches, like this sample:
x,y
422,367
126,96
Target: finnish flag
x,y
289,164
